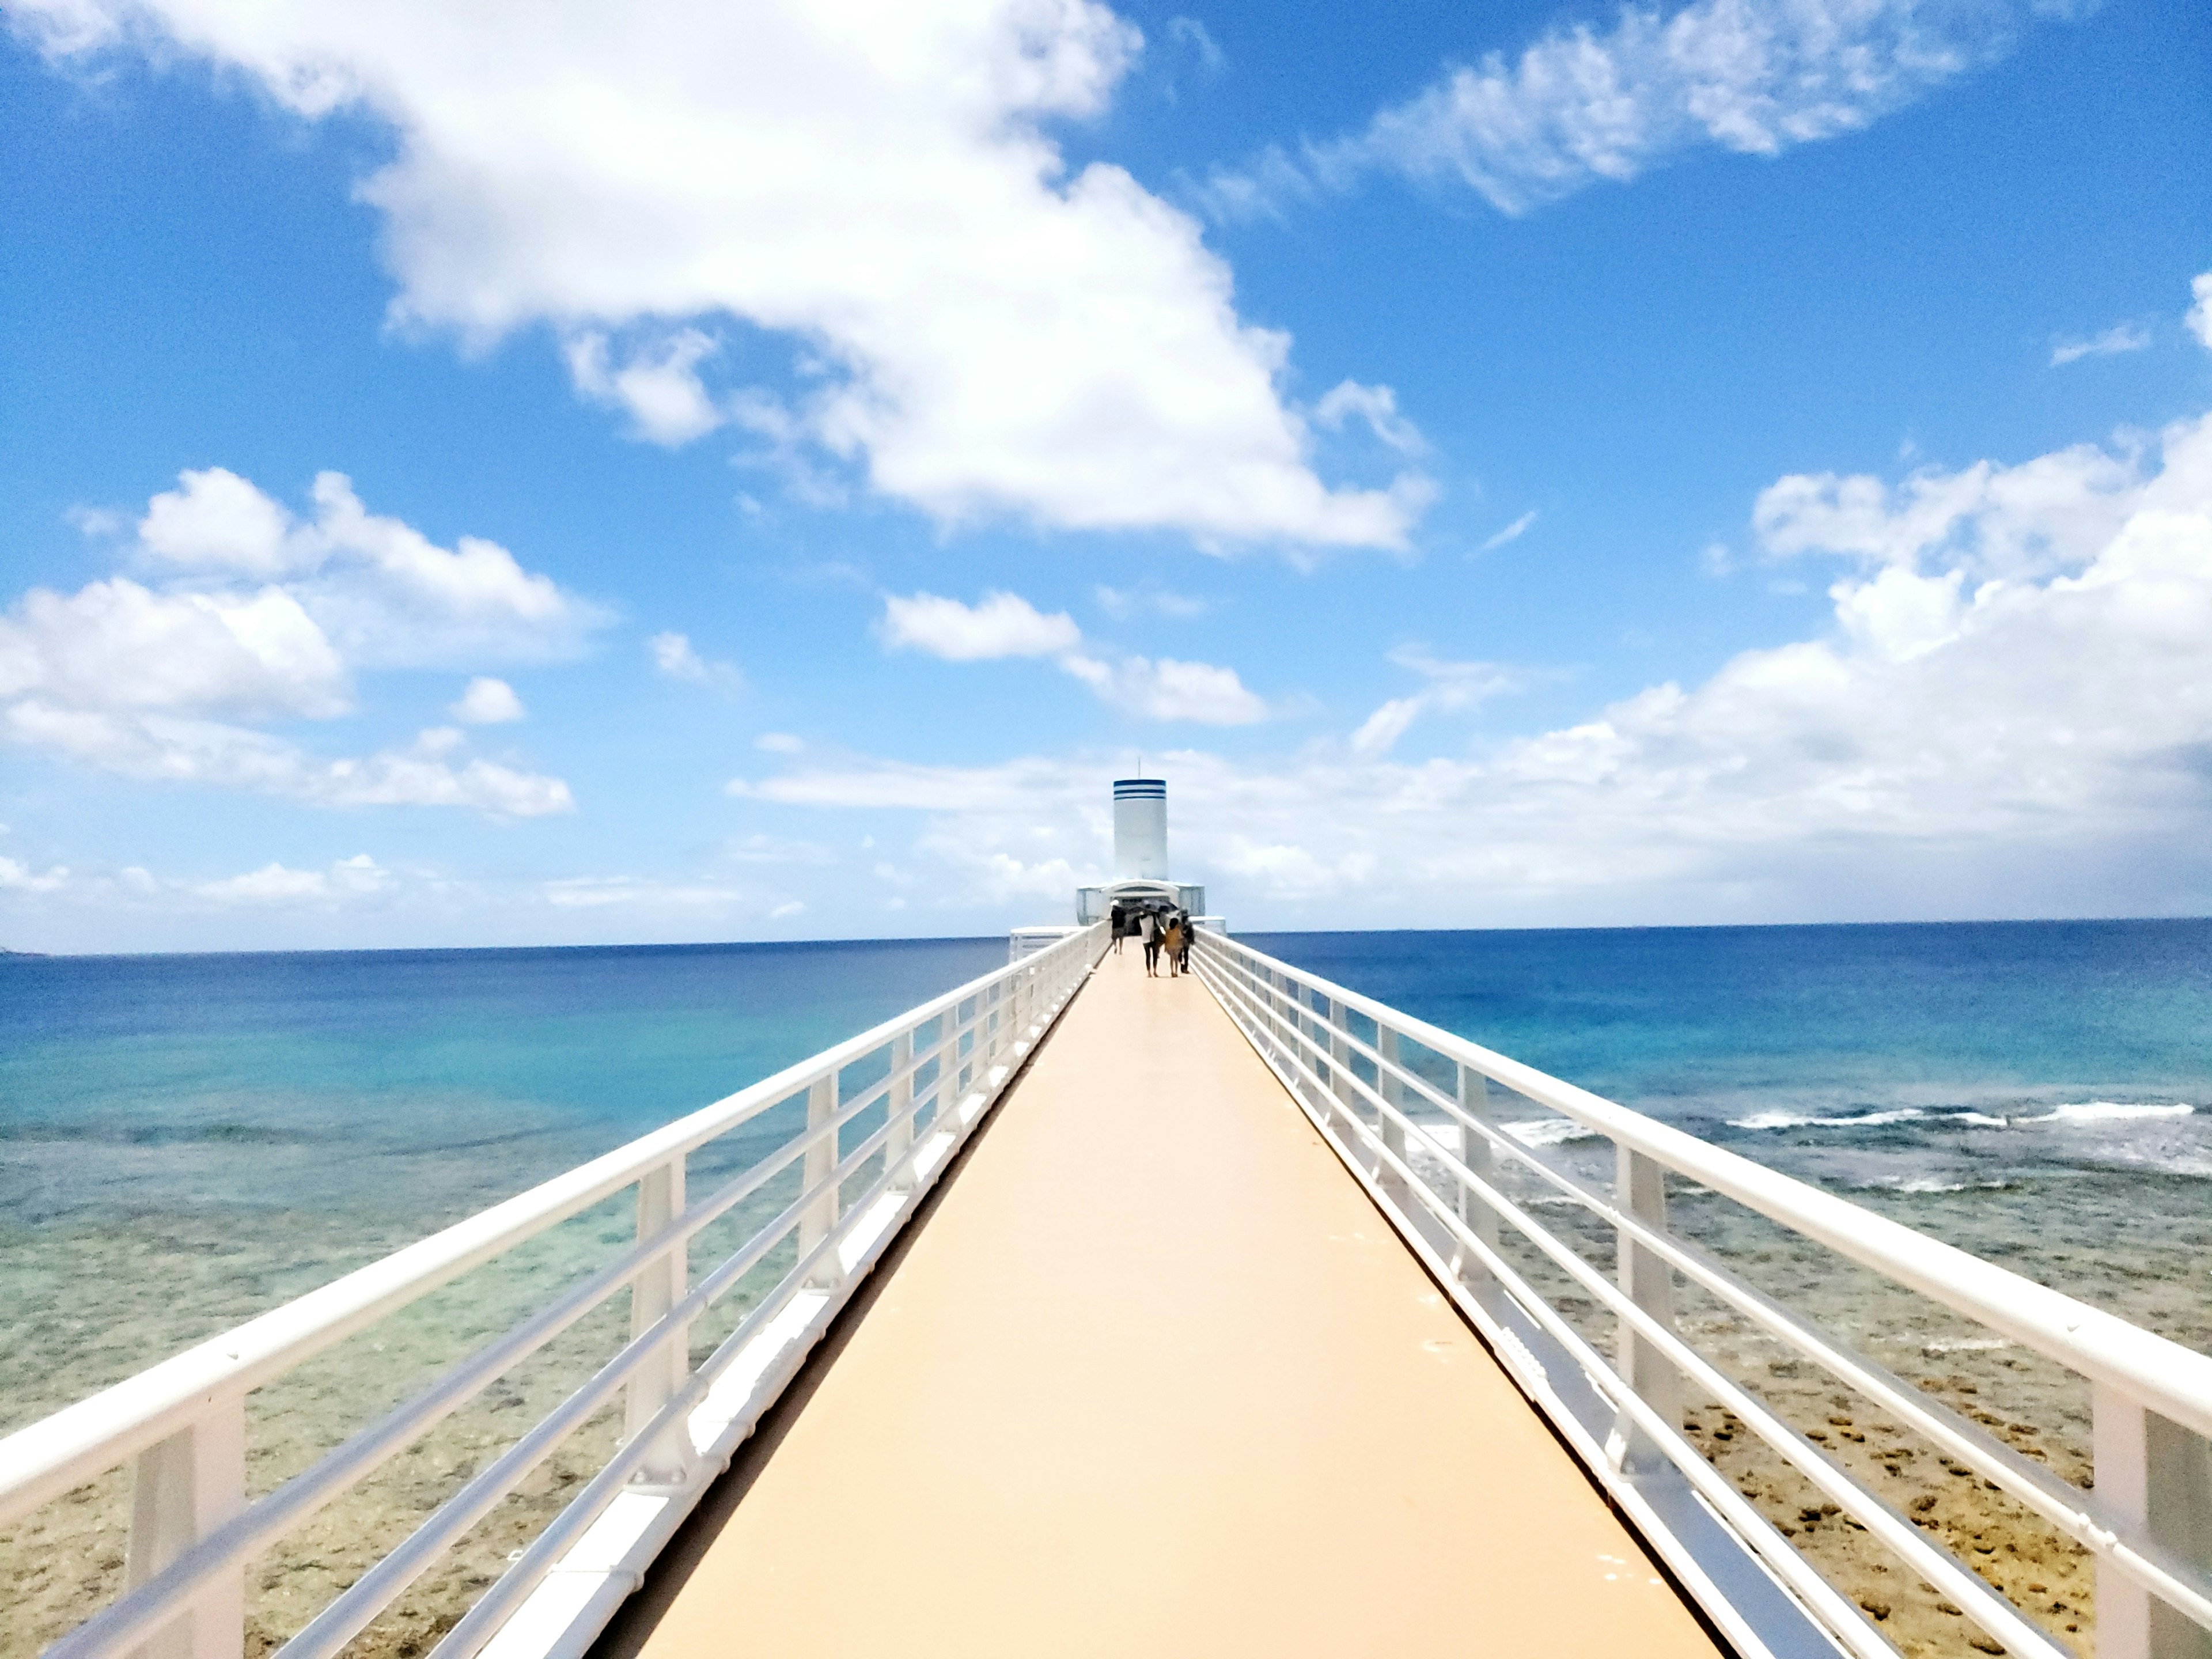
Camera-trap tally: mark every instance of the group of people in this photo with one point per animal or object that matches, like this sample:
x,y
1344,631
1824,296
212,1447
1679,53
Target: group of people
x,y
1166,936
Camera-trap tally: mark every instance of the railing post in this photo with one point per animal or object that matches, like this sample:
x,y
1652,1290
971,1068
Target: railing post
x,y
1640,1188
1340,1055
1393,1090
181,1489
2154,1477
652,1294
901,1104
958,1073
1474,1091
819,1163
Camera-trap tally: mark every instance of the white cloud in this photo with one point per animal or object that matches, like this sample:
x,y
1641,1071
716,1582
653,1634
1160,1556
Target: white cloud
x,y
2119,338
1001,625
979,328
1123,603
659,387
674,657
633,892
1512,531
274,883
2199,317
775,849
169,749
1451,686
216,519
779,743
1166,689
1189,31
1582,104
488,702
262,616
1377,405
114,645
16,876
2044,514
1007,625
2037,742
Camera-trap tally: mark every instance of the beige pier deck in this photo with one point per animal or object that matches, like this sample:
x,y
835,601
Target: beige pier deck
x,y
1155,1378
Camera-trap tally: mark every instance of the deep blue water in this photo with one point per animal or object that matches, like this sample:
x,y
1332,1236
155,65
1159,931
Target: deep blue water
x,y
1920,1054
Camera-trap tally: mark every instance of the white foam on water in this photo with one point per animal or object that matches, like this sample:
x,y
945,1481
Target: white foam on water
x,y
2100,1111
1813,1121
1548,1131
1979,1120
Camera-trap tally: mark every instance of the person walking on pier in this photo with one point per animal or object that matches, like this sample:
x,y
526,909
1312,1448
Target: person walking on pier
x,y
1118,924
1185,927
1148,928
1175,942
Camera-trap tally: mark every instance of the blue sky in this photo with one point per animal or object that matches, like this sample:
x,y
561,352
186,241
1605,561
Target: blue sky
x,y
696,472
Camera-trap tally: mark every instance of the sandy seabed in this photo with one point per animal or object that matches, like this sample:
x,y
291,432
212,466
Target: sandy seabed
x,y
2139,1246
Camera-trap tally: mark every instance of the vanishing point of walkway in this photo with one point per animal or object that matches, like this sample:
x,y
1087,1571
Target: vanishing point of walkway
x,y
1154,1379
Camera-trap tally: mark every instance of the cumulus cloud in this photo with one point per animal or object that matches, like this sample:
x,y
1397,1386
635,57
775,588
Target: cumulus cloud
x,y
17,876
263,615
1986,519
976,327
115,644
2114,342
999,625
658,384
488,701
275,884
675,658
1585,103
2199,318
1972,734
1166,689
1006,625
382,593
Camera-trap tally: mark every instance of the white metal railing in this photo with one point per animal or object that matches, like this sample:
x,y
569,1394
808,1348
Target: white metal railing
x,y
182,1426
2148,1524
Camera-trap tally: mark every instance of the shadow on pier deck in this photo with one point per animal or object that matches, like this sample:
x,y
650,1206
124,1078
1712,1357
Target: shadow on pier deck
x,y
1154,1377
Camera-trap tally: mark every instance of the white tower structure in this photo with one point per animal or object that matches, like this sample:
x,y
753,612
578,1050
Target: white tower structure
x,y
1140,828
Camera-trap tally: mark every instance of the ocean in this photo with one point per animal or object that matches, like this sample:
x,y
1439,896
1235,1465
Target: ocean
x,y
186,1141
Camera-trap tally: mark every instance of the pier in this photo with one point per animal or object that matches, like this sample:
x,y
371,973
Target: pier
x,y
1153,1356
1082,1311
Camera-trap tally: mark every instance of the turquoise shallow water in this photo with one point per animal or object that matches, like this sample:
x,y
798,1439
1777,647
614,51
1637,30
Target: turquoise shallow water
x,y
185,1140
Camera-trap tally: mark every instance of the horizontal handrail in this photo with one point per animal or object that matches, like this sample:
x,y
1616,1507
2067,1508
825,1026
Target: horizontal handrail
x,y
1013,1007
41,1462
1274,1002
1940,1568
2172,1380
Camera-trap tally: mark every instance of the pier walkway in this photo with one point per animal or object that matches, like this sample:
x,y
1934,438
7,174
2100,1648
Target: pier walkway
x,y
1154,1377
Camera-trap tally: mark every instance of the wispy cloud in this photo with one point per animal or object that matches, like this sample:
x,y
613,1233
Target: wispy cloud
x,y
1511,532
1584,104
675,658
2114,341
1004,625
